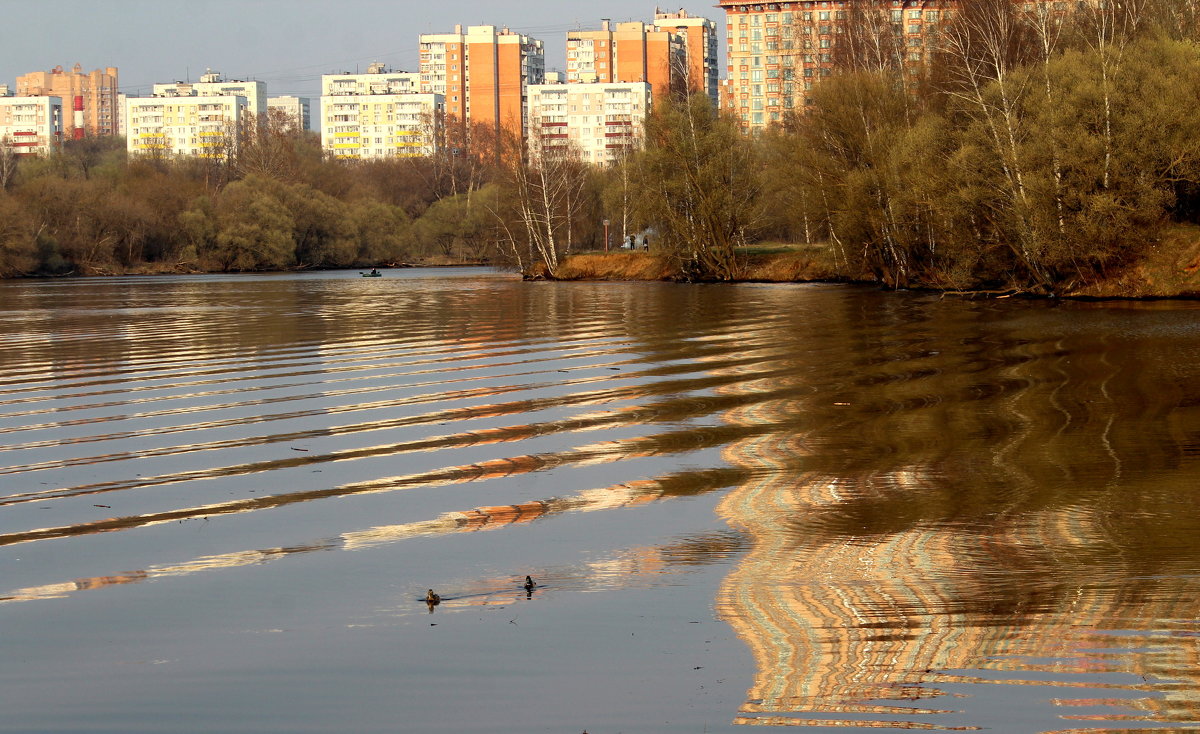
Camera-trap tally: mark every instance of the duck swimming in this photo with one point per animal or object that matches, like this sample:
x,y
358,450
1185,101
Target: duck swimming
x,y
432,598
530,584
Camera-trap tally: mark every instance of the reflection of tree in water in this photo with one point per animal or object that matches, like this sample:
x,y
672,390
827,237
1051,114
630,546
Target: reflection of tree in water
x,y
952,495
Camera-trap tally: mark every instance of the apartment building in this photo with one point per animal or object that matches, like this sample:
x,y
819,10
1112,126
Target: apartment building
x,y
31,125
213,84
380,114
90,99
698,36
625,52
598,121
203,126
296,109
778,51
483,74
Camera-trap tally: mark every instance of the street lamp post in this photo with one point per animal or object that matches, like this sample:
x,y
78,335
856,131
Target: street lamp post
x,y
606,235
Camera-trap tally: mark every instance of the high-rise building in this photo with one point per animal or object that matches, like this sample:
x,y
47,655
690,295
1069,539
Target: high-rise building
x,y
212,84
295,109
699,39
380,114
599,121
778,51
626,52
203,126
31,125
90,99
483,74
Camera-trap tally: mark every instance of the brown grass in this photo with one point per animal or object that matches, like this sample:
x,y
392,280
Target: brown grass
x,y
783,265
617,266
788,267
1170,269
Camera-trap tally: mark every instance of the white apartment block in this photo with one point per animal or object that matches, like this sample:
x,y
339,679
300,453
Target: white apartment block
x,y
601,122
378,80
378,115
295,108
184,126
5,90
31,125
212,84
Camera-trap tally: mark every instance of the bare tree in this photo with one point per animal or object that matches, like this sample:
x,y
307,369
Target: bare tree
x,y
984,46
1107,28
8,163
866,39
268,147
544,193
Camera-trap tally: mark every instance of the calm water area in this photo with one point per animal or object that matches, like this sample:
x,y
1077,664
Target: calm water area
x,y
223,499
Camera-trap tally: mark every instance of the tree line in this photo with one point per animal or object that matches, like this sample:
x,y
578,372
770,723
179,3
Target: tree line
x,y
1032,146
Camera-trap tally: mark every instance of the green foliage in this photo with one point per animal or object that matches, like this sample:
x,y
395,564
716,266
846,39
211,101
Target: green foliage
x,y
697,184
18,241
456,226
1043,175
1033,152
253,229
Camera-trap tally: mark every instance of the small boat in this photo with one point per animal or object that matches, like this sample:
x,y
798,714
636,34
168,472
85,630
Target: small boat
x,y
372,274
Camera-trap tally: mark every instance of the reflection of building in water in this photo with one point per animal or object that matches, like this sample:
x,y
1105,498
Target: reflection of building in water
x,y
626,494
920,517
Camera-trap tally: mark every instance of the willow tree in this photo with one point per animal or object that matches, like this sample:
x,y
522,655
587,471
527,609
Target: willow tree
x,y
698,185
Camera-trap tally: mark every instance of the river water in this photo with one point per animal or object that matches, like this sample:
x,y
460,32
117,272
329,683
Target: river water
x,y
223,500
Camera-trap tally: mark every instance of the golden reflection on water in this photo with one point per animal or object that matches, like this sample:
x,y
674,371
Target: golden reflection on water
x,y
927,498
613,573
940,514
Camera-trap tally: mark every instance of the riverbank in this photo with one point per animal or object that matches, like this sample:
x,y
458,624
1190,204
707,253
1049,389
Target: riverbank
x,y
1170,269
192,268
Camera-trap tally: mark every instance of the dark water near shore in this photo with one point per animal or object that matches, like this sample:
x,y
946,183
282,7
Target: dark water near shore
x,y
222,499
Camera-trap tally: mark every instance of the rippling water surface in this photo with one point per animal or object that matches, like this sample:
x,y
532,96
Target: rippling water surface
x,y
223,499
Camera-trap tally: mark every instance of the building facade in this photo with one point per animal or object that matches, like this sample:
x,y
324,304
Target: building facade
x,y
296,109
778,51
31,125
90,99
206,127
212,84
600,121
381,114
483,74
698,37
625,52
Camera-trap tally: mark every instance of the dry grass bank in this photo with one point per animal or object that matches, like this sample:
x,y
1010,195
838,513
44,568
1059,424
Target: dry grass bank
x,y
1171,269
616,266
778,264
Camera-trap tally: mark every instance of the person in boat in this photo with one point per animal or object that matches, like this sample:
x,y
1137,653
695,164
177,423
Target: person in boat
x,y
374,271
530,584
432,598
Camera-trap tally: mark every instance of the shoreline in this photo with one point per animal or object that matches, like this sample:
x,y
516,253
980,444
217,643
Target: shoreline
x,y
1171,272
152,269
